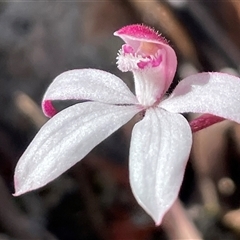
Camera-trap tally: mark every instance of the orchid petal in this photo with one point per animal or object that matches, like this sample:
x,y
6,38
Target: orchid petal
x,y
213,93
87,84
159,151
66,139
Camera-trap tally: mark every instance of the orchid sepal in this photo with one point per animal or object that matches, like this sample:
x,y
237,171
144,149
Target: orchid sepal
x,y
209,92
87,84
156,163
65,139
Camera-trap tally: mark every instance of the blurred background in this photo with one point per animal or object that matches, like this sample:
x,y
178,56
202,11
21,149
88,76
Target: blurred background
x,y
93,200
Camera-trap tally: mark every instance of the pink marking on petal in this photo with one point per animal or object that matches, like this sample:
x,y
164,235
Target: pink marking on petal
x,y
204,121
156,61
127,48
152,62
142,64
141,32
48,108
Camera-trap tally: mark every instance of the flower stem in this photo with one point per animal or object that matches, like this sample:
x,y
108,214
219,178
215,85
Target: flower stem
x,y
178,225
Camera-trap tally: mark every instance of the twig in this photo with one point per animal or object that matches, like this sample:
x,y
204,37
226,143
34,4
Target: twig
x,y
29,108
215,32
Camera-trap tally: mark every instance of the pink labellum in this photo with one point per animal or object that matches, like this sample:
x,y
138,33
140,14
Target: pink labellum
x,y
150,58
141,33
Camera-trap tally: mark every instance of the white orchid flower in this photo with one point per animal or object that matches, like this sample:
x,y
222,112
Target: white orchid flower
x,y
160,142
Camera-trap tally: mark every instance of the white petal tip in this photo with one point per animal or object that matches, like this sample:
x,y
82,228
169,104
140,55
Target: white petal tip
x,y
158,219
24,190
158,223
18,193
21,188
